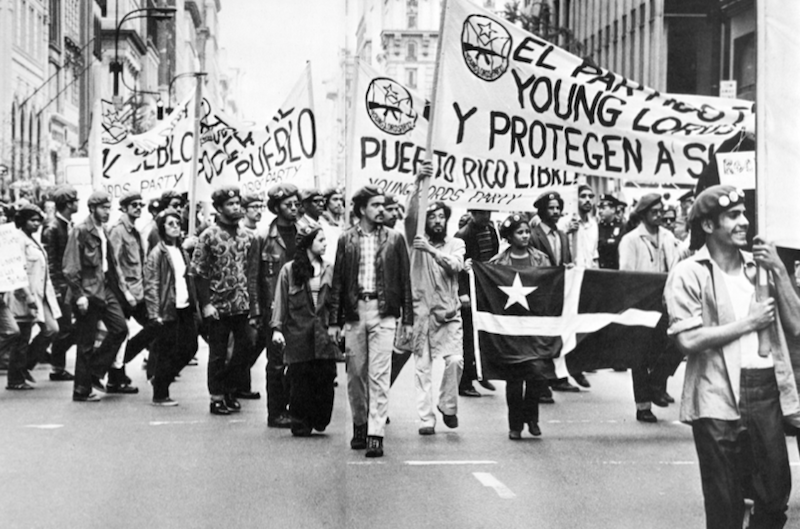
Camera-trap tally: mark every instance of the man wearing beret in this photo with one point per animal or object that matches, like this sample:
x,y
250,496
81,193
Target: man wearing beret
x,y
313,204
277,248
648,248
334,208
54,239
547,238
126,242
225,266
739,385
371,289
91,272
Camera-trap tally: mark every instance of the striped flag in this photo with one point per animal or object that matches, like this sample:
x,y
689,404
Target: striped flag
x,y
514,312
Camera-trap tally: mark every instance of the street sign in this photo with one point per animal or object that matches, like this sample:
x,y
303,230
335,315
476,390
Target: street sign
x,y
727,89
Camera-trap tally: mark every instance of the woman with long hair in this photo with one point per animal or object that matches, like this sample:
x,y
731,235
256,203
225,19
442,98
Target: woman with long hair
x,y
300,326
524,382
35,305
170,305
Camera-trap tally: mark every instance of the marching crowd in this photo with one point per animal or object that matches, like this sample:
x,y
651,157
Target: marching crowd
x,y
314,288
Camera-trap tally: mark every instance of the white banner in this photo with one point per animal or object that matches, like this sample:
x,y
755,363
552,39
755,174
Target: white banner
x,y
778,154
150,163
12,259
514,112
257,157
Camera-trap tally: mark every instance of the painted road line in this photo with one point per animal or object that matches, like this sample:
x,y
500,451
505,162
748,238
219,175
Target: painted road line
x,y
162,423
649,463
425,463
487,480
45,426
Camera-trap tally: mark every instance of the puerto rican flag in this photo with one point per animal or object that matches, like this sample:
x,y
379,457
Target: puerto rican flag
x,y
602,316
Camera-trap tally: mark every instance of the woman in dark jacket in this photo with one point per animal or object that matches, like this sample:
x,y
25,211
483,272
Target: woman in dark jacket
x,y
300,327
170,305
524,383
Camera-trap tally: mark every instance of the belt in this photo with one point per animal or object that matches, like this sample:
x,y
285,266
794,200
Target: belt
x,y
364,296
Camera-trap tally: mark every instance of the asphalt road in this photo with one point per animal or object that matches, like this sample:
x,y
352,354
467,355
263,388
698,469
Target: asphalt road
x,y
123,463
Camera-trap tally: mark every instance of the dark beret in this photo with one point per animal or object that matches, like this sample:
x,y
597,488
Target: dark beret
x,y
99,198
510,225
646,202
168,195
686,196
278,193
224,193
308,194
64,194
545,198
250,198
714,200
391,200
335,190
129,197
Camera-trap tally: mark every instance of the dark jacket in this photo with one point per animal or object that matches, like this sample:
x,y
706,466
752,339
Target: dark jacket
x,y
469,234
83,264
304,326
540,242
54,239
272,258
392,277
159,284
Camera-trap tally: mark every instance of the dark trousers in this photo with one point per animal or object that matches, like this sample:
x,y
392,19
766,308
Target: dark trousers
x,y
174,346
258,337
66,334
746,458
650,377
144,337
96,362
311,393
221,370
522,398
17,352
9,331
277,383
468,347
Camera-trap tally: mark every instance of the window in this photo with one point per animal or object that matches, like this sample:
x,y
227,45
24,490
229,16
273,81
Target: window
x,y
55,22
411,51
412,21
411,77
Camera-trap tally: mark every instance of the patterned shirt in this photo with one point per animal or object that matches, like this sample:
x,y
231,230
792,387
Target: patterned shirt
x,y
366,265
221,257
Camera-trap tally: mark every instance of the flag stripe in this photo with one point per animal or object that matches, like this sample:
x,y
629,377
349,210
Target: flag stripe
x,y
557,325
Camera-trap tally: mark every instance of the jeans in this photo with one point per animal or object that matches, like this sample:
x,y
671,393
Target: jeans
x,y
96,362
221,370
746,458
368,356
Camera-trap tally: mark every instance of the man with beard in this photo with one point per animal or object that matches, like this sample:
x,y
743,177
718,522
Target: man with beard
x,y
334,209
547,238
392,211
371,289
481,244
91,272
648,248
436,261
277,249
225,266
54,239
739,387
313,204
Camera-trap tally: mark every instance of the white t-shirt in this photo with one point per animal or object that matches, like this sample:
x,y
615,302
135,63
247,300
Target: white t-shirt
x,y
103,246
181,290
741,293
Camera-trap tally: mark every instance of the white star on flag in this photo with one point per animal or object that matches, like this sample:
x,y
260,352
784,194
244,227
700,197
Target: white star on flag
x,y
517,293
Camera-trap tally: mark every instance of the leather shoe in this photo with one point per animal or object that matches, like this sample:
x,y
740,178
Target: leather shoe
x,y
217,407
98,384
660,401
645,416
668,398
564,385
469,392
582,381
485,384
546,399
374,446
427,430
301,431
281,422
359,440
61,376
248,395
91,397
21,386
515,435
232,404
165,403
29,377
125,389
533,428
451,421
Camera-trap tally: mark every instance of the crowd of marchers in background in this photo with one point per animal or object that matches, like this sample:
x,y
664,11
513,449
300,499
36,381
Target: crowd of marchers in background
x,y
314,287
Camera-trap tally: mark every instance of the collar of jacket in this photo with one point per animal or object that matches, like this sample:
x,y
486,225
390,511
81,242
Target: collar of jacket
x,y
90,226
126,222
380,232
704,256
273,233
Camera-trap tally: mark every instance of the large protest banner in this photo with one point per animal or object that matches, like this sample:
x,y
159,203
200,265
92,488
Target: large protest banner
x,y
12,262
513,112
257,156
151,162
778,155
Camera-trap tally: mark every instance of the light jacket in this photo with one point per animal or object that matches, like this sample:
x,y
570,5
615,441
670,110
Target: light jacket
x,y
39,283
83,264
637,253
126,243
303,324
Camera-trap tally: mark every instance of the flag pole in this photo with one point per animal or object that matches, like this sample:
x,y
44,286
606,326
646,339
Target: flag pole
x,y
198,102
315,162
473,308
426,182
350,135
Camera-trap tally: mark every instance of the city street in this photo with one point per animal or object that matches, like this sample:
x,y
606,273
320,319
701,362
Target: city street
x,y
123,463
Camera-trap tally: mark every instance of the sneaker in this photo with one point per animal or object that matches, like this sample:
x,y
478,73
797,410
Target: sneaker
x,y
62,375
427,430
374,446
24,386
91,397
124,389
166,403
217,407
97,383
232,404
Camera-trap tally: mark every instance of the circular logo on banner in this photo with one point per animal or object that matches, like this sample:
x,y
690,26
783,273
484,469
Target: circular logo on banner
x,y
486,46
390,106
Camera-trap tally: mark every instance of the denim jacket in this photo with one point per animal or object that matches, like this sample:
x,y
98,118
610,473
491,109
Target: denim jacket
x,y
83,263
